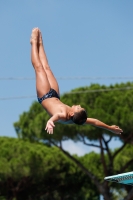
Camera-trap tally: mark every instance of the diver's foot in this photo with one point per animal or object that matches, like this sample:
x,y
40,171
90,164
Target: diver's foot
x,y
40,38
34,36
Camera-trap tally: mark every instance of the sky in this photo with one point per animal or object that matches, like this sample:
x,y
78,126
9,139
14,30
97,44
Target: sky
x,y
90,39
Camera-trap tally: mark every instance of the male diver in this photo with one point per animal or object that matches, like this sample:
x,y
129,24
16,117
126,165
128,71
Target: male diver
x,y
48,92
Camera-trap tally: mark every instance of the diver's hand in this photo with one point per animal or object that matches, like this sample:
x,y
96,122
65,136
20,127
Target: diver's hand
x,y
116,129
50,126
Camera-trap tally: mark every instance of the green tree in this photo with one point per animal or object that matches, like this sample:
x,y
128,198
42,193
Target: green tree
x,y
110,104
35,171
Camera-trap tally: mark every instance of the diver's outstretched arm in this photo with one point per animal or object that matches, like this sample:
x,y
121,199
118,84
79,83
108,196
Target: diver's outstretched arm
x,y
95,122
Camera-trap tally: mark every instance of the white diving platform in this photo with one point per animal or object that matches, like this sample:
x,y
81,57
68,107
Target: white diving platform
x,y
125,178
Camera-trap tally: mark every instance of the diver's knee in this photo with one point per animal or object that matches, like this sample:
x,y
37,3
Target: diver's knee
x,y
38,66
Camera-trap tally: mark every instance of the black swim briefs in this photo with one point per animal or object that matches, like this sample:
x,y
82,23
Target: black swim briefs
x,y
50,94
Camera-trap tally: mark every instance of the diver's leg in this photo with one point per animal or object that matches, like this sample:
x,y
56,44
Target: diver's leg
x,y
43,58
42,83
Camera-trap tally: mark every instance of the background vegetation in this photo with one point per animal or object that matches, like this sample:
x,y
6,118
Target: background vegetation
x,y
35,166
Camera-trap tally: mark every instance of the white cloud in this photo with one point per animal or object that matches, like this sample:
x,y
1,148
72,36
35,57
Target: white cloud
x,y
78,148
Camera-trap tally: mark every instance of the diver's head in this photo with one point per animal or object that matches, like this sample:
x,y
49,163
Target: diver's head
x,y
79,115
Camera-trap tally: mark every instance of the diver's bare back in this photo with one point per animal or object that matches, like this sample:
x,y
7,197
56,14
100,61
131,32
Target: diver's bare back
x,y
54,105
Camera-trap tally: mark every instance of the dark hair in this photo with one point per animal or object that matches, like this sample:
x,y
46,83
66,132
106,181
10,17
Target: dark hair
x,y
79,117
